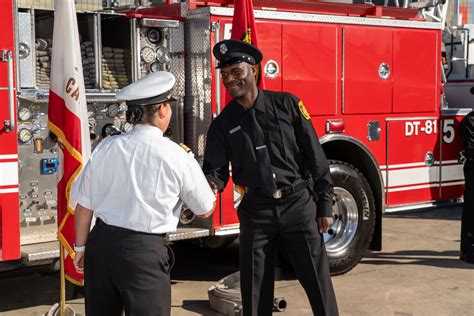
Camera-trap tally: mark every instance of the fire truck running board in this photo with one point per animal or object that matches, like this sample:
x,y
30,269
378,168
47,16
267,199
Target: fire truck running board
x,y
37,252
50,250
188,233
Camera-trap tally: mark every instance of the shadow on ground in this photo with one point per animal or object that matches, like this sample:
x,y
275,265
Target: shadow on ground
x,y
198,306
441,259
452,213
195,263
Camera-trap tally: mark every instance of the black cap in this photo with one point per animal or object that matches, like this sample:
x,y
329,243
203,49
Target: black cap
x,y
229,52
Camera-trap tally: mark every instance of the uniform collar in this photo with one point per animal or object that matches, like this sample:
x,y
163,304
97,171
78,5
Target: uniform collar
x,y
236,109
144,128
260,101
259,104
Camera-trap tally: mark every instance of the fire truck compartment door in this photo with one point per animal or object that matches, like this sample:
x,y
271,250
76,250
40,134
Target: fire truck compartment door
x,y
9,215
367,56
269,40
310,69
452,176
412,172
416,70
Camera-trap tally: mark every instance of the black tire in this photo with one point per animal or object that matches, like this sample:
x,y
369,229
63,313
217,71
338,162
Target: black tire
x,y
354,213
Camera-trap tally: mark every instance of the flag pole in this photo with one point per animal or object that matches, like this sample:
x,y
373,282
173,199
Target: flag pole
x,y
62,288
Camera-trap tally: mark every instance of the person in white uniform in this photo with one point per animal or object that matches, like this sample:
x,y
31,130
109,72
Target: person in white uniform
x,y
135,184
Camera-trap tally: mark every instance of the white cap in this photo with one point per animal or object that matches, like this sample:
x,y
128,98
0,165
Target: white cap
x,y
152,89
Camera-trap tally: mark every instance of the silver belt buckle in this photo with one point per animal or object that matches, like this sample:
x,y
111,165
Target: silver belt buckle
x,y
277,194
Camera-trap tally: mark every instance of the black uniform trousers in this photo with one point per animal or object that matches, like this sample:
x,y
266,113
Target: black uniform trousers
x,y
467,220
126,270
292,220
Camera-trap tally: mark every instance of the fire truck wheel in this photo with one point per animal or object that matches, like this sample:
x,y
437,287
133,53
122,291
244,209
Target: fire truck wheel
x,y
354,218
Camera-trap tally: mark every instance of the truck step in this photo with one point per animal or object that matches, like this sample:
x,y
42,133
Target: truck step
x,y
188,233
37,252
50,250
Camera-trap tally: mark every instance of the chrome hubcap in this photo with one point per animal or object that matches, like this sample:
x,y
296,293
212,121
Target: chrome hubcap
x,y
346,219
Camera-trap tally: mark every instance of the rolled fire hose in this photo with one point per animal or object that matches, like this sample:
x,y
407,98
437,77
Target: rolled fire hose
x,y
225,298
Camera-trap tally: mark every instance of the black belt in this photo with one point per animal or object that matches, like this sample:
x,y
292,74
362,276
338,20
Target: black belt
x,y
100,222
281,192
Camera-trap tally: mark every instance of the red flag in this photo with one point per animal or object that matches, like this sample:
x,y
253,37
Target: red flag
x,y
67,116
244,29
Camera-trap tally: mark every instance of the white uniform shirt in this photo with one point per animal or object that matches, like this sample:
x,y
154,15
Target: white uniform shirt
x,y
139,180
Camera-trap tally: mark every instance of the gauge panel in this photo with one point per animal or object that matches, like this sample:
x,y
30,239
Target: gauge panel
x,y
154,36
147,54
163,55
24,114
25,135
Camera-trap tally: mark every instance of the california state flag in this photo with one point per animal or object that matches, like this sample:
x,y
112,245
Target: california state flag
x,y
68,121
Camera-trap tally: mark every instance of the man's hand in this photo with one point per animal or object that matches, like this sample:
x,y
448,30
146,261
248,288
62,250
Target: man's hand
x,y
213,188
324,223
79,262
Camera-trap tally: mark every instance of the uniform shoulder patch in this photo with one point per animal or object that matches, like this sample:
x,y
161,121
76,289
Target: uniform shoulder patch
x,y
303,110
186,149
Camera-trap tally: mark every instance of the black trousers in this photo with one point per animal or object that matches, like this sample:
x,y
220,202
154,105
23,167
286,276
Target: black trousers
x,y
126,271
467,219
292,220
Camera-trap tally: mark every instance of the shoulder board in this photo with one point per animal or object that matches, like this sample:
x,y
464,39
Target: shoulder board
x,y
186,149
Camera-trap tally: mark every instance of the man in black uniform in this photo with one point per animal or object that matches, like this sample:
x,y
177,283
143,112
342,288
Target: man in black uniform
x,y
271,144
467,221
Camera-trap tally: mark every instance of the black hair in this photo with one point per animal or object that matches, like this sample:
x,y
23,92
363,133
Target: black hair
x,y
142,114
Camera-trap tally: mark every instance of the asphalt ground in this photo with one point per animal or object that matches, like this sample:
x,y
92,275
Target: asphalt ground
x,y
417,273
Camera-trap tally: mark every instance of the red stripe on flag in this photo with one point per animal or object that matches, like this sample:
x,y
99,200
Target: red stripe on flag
x,y
67,127
68,123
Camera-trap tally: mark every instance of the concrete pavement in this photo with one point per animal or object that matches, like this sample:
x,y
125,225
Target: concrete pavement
x,y
417,273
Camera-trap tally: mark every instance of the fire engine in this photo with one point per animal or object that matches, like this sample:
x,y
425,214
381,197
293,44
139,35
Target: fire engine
x,y
384,105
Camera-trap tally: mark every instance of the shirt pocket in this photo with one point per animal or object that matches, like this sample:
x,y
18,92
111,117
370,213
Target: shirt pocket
x,y
237,142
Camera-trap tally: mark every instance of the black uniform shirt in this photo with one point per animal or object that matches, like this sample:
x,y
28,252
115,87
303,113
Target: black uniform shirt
x,y
292,143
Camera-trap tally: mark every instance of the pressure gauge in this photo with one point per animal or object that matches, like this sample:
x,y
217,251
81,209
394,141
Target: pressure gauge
x,y
148,54
127,127
25,135
24,114
113,110
155,36
154,67
163,55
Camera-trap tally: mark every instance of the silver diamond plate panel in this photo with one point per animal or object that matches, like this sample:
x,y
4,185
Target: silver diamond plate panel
x,y
188,233
27,51
176,47
197,102
41,234
38,252
326,18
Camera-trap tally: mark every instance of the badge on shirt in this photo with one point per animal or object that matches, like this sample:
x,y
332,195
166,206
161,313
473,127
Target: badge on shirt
x,y
303,110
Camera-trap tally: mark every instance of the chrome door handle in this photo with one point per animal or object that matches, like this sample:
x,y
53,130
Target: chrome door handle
x,y
9,125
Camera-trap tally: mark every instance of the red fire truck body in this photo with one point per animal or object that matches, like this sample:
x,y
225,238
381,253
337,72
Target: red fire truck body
x,y
369,76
